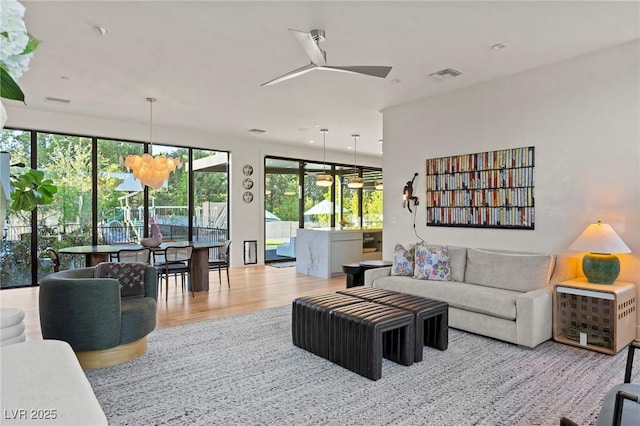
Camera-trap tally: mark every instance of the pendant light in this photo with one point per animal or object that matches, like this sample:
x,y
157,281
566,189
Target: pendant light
x,y
149,170
324,179
356,182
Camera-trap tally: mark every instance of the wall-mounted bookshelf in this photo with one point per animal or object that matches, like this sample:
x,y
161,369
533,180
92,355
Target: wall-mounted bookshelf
x,y
491,189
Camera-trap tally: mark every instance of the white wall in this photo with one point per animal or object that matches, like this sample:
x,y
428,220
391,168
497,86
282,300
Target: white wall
x,y
246,220
582,116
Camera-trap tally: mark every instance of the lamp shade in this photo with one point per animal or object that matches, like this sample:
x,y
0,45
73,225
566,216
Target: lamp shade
x,y
599,238
324,180
355,182
599,265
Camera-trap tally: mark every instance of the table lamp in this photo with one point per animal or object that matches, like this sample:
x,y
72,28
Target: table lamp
x,y
600,240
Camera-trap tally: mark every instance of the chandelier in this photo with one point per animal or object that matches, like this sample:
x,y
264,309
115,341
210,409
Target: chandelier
x,y
149,170
356,182
324,179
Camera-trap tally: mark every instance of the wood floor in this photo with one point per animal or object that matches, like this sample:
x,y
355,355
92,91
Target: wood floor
x,y
253,288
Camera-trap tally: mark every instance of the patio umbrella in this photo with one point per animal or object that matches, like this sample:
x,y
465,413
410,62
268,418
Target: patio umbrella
x,y
323,207
270,217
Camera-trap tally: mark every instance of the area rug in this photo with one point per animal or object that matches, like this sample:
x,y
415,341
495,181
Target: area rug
x,y
282,264
244,370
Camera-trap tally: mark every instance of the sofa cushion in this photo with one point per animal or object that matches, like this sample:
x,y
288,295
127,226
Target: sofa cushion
x,y
403,260
130,276
432,262
510,271
457,262
469,297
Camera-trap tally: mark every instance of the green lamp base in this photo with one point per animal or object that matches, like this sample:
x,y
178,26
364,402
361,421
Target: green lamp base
x,y
600,268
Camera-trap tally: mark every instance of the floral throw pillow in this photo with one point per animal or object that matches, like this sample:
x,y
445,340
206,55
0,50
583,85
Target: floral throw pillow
x,y
432,263
403,261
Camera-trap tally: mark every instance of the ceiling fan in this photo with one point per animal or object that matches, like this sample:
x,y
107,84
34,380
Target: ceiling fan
x,y
310,43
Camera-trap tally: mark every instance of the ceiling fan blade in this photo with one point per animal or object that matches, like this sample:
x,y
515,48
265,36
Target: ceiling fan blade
x,y
292,74
375,71
313,51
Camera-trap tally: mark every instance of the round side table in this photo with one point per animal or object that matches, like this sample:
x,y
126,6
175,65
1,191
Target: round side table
x,y
353,271
372,264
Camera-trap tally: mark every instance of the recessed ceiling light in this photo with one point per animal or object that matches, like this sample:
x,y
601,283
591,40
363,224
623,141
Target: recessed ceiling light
x,y
396,80
380,140
312,141
349,147
64,77
499,46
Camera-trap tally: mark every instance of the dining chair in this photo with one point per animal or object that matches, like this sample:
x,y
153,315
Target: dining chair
x,y
134,256
222,261
55,258
174,261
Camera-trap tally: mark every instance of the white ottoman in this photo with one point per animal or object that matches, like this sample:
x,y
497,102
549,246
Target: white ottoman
x,y
11,326
43,384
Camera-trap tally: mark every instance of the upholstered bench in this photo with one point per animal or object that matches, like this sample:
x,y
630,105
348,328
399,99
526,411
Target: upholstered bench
x,y
310,321
431,316
363,333
43,384
353,333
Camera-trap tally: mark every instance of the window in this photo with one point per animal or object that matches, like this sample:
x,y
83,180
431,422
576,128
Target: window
x,y
120,196
77,165
210,181
15,252
289,203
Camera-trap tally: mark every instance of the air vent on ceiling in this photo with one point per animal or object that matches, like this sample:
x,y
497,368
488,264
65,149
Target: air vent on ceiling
x,y
258,131
57,100
445,74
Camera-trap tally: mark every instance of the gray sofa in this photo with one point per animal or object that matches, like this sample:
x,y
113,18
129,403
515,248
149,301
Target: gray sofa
x,y
500,294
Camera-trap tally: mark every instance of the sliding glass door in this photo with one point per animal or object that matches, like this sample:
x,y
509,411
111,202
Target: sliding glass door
x,y
282,208
292,199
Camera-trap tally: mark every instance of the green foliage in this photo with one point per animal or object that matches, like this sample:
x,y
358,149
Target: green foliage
x,y
30,190
9,89
282,200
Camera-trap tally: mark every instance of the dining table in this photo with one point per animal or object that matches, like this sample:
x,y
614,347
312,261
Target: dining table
x,y
95,254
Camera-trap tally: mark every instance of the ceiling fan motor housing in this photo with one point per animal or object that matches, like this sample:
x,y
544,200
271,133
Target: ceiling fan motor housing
x,y
318,35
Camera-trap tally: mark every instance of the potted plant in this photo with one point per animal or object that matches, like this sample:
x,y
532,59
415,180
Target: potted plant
x,y
30,190
26,191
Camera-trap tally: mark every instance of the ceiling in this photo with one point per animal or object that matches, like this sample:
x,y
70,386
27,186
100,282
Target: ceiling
x,y
205,61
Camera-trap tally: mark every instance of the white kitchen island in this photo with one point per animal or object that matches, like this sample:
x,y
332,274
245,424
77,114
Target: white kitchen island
x,y
321,252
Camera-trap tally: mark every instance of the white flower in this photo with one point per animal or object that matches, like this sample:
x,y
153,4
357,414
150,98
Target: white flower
x,y
14,38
